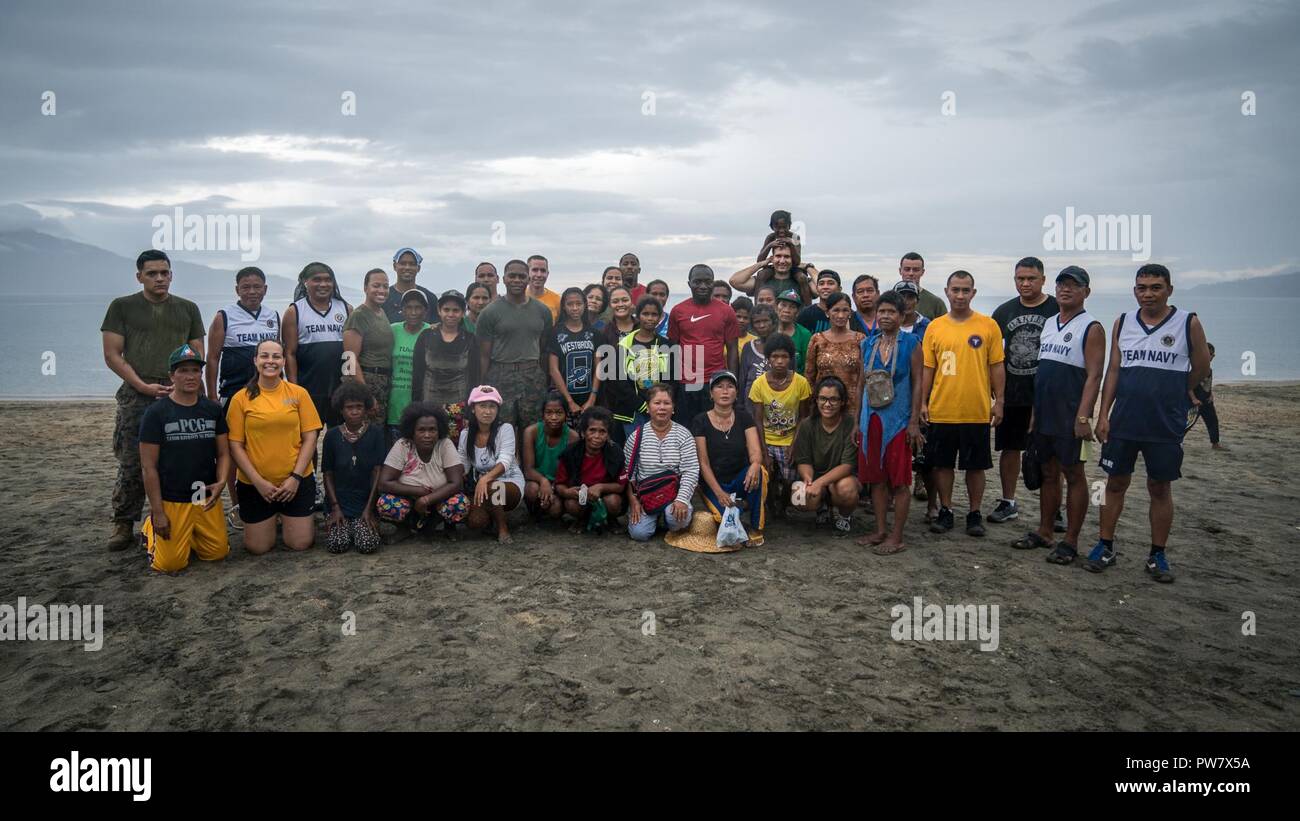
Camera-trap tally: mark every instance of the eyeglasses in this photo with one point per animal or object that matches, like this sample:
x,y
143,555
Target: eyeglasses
x,y
828,400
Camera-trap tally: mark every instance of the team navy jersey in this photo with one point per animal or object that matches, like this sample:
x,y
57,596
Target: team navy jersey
x,y
244,331
1151,397
1062,372
320,346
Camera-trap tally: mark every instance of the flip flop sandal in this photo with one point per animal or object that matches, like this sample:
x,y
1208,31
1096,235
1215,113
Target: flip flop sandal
x,y
1063,553
882,550
1030,541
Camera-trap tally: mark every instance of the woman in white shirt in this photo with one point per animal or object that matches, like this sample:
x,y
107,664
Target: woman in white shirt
x,y
487,450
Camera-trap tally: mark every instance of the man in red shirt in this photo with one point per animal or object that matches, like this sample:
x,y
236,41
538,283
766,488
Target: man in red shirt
x,y
706,331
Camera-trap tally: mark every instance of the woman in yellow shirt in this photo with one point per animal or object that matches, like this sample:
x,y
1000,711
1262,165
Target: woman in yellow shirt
x,y
273,428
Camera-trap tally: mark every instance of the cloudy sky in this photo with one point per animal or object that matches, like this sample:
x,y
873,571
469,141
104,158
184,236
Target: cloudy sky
x,y
538,116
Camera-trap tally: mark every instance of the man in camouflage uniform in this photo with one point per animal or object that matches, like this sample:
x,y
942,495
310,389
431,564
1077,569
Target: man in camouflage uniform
x,y
140,331
512,333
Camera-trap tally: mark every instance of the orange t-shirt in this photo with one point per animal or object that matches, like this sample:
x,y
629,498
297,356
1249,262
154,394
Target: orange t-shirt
x,y
271,427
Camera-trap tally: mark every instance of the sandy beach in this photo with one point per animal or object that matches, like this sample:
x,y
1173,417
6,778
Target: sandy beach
x,y
548,634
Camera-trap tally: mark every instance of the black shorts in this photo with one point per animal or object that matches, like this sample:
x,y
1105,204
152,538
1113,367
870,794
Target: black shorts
x,y
1164,460
253,508
1066,450
1012,433
963,446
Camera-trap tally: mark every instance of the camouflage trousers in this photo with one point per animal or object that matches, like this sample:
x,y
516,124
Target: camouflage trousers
x,y
128,490
522,386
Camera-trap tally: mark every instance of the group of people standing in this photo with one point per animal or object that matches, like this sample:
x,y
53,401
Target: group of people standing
x,y
435,411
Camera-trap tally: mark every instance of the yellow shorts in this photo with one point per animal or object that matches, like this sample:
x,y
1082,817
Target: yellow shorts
x,y
192,528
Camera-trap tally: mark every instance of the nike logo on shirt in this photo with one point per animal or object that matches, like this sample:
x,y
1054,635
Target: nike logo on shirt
x,y
698,318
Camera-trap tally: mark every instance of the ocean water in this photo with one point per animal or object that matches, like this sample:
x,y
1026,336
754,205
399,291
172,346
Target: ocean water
x,y
51,348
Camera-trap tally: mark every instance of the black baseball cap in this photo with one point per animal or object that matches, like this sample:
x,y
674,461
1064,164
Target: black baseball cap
x,y
1075,273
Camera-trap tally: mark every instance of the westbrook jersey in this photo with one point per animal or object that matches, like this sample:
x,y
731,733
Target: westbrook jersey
x,y
1151,397
320,346
244,331
1062,372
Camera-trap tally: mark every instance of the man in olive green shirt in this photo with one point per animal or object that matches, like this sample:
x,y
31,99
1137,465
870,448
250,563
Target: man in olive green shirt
x,y
911,268
139,333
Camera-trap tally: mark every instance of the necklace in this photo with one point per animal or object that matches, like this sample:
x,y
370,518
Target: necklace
x,y
714,418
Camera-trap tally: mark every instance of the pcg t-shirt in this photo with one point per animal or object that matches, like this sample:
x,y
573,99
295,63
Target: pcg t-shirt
x,y
187,440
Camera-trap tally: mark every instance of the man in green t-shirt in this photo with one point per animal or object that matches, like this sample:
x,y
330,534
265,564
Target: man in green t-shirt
x,y
415,306
512,333
139,332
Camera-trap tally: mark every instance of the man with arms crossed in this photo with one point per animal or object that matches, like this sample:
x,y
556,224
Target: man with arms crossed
x,y
963,369
1157,356
1072,353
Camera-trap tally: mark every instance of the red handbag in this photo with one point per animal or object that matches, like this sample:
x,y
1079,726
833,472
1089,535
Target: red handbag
x,y
653,492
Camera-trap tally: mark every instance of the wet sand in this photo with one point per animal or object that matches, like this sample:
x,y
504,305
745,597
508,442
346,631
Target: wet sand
x,y
548,633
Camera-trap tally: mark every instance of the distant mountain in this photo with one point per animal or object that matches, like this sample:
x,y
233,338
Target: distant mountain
x,y
33,263
1276,285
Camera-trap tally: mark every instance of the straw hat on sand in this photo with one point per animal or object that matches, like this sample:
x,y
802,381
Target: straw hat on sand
x,y
701,536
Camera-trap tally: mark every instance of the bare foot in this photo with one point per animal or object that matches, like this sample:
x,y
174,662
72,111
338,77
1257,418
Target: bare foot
x,y
889,547
504,537
873,539
1220,446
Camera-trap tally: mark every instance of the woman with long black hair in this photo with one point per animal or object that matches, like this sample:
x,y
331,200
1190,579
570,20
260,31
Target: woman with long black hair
x,y
493,480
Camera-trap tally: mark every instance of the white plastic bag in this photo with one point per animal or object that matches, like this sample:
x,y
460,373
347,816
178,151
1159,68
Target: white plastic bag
x,y
731,532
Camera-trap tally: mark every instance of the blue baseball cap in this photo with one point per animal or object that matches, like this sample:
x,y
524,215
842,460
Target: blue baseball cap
x,y
418,259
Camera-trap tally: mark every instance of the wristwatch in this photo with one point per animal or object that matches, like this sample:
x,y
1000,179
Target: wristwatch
x,y
298,477
1087,420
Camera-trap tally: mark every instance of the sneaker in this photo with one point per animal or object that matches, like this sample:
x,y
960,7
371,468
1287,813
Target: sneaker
x,y
1004,512
975,523
1100,558
233,520
1158,568
843,525
1058,526
943,521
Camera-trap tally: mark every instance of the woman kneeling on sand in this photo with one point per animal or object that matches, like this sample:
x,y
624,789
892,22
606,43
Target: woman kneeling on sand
x,y
826,457
659,455
487,451
273,429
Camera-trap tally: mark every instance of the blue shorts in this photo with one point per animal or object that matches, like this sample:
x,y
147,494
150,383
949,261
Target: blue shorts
x,y
1164,460
1066,450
